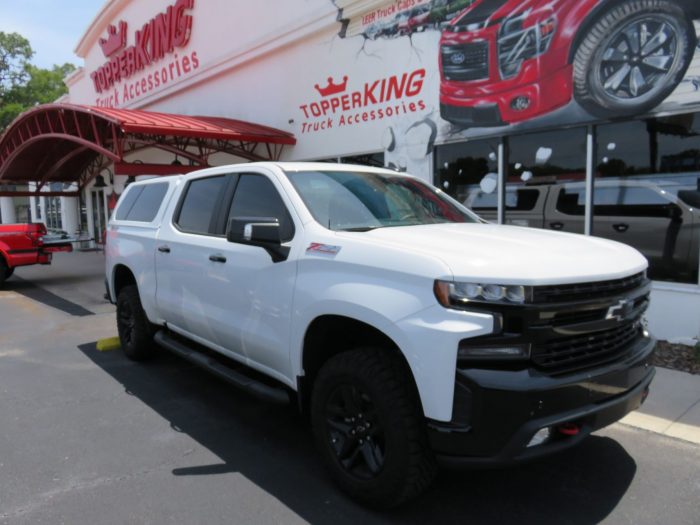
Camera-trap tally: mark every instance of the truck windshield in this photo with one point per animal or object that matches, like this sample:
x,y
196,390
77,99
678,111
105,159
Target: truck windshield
x,y
361,201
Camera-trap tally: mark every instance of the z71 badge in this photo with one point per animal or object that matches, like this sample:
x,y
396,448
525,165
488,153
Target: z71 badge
x,y
327,249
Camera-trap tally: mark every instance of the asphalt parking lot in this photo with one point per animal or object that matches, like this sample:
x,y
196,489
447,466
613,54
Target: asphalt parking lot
x,y
89,437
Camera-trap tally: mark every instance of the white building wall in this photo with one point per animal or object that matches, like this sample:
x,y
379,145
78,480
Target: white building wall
x,y
261,61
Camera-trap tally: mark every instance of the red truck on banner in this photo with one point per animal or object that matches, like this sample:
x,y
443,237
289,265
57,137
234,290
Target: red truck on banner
x,y
23,245
507,61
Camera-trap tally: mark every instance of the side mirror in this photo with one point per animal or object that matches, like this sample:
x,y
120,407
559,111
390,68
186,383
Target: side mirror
x,y
258,231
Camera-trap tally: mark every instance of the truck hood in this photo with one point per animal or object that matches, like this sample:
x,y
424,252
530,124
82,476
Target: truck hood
x,y
515,255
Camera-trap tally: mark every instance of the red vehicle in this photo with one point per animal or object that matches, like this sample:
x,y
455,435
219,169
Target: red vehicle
x,y
416,20
23,245
507,61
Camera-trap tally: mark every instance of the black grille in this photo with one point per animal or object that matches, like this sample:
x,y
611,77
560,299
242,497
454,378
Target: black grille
x,y
584,291
466,61
581,351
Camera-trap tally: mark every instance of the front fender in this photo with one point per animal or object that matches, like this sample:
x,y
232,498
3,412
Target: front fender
x,y
428,339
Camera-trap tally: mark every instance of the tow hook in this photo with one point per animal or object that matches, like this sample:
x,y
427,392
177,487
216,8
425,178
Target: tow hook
x,y
569,429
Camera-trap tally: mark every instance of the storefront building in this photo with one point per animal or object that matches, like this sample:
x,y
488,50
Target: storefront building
x,y
570,116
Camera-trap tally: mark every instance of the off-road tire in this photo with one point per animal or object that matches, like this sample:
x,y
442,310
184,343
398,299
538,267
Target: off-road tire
x,y
589,88
408,465
5,271
135,331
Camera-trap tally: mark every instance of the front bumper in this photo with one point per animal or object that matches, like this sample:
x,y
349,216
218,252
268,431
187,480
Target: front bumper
x,y
491,103
500,410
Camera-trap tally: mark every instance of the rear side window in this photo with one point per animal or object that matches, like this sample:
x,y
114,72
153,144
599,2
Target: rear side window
x,y
256,196
142,203
199,204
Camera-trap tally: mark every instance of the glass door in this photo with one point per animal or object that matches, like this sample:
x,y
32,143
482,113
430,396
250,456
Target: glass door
x,y
99,219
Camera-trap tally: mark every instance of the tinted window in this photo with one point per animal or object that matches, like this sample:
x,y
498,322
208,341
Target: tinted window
x,y
256,196
126,202
147,203
199,204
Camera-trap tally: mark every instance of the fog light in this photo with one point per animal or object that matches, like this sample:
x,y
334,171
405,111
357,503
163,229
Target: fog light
x,y
540,437
517,351
520,103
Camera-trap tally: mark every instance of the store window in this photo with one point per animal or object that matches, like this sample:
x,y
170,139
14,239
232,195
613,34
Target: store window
x,y
54,221
370,159
541,169
468,172
647,191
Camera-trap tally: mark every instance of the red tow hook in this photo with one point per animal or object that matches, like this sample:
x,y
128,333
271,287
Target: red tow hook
x,y
569,429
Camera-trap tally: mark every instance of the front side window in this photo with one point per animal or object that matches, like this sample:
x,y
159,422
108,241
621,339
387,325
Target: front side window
x,y
256,196
359,201
199,203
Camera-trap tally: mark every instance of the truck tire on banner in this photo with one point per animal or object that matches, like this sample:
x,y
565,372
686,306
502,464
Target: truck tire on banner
x,y
633,57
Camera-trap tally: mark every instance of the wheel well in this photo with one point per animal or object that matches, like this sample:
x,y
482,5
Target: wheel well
x,y
689,6
330,335
122,277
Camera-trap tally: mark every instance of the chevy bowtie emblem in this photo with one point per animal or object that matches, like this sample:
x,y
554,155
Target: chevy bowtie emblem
x,y
620,310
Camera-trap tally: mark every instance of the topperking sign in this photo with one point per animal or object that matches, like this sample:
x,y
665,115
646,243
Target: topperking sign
x,y
157,39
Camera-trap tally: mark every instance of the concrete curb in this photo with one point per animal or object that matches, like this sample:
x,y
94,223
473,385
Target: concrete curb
x,y
673,406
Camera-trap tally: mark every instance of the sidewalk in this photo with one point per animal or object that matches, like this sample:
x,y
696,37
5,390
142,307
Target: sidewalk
x,y
672,408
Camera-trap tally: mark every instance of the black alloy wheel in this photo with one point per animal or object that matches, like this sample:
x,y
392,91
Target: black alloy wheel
x,y
354,431
369,427
633,58
135,330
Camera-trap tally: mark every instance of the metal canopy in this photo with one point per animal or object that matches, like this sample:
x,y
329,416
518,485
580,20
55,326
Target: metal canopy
x,y
72,143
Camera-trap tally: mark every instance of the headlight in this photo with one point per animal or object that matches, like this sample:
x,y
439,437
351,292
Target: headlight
x,y
455,295
517,43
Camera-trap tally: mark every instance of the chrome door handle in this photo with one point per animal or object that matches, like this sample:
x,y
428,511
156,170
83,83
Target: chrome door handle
x,y
556,225
621,227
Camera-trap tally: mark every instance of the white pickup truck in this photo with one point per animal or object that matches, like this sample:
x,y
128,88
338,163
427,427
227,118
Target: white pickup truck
x,y
412,331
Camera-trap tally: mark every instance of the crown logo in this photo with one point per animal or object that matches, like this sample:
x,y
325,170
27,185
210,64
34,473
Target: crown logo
x,y
331,88
115,40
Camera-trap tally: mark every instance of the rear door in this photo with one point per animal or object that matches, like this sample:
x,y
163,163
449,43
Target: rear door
x,y
186,277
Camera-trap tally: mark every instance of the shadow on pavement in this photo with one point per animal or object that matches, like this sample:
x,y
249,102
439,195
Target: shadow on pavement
x,y
271,446
41,295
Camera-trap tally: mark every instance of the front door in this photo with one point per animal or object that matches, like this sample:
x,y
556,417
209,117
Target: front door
x,y
252,308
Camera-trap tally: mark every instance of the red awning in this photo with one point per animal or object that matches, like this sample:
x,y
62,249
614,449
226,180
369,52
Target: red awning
x,y
72,143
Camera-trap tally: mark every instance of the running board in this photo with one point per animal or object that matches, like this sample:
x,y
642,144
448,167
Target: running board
x,y
235,377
